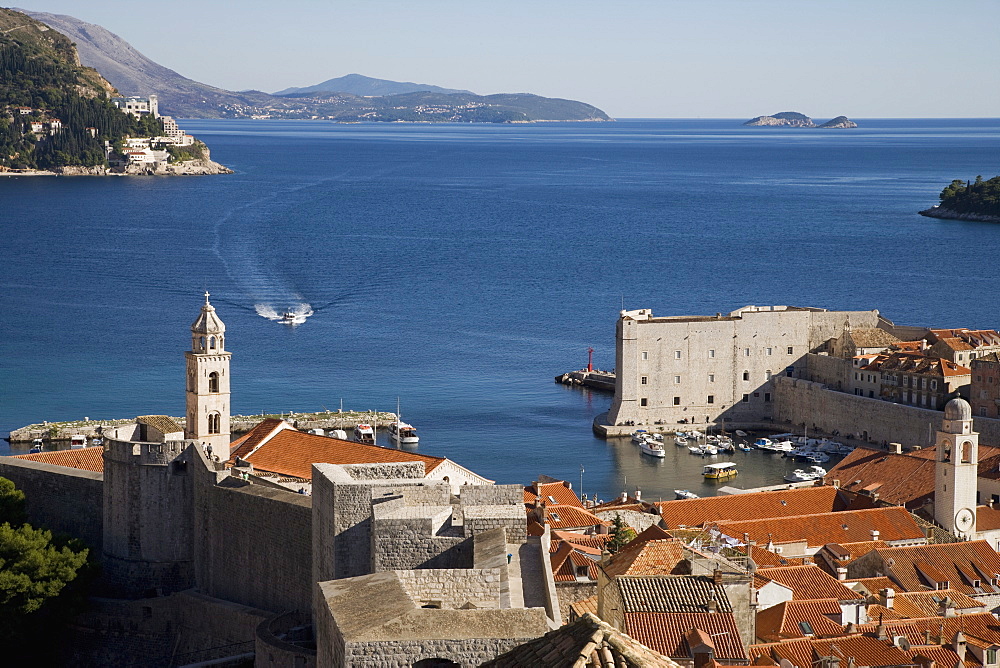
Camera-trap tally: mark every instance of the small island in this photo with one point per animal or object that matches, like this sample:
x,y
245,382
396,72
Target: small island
x,y
794,119
60,118
977,200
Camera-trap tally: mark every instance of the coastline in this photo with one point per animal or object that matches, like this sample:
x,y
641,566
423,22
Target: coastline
x,y
186,168
947,214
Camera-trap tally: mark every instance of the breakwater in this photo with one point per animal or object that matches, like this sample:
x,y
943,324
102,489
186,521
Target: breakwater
x,y
596,379
239,424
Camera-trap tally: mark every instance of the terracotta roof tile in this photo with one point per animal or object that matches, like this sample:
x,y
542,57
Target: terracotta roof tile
x,y
871,337
958,564
244,445
900,479
808,583
554,493
597,541
567,517
162,423
566,561
85,459
757,505
580,608
674,594
292,453
767,559
665,633
980,628
917,604
987,518
866,651
581,644
892,523
785,620
872,585
657,557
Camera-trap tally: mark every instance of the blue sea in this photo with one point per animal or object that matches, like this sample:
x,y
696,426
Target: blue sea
x,y
461,267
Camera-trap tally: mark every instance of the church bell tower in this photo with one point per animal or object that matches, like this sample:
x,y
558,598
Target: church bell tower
x,y
208,382
957,470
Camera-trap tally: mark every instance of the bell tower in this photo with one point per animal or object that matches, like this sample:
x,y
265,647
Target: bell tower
x,y
208,382
956,474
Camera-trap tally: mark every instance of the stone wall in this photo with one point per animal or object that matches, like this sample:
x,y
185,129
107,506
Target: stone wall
x,y
834,372
874,420
61,499
453,588
405,653
571,592
285,641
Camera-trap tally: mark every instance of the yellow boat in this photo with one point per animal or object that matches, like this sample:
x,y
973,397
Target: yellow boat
x,y
720,470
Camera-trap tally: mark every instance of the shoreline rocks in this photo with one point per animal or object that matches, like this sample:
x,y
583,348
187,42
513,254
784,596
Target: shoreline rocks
x,y
187,168
948,214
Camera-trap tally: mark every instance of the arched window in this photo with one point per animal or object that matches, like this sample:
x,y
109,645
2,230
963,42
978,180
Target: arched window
x,y
201,341
213,381
211,342
214,423
967,452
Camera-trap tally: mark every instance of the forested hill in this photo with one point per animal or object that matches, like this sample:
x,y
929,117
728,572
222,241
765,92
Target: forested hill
x,y
978,197
53,111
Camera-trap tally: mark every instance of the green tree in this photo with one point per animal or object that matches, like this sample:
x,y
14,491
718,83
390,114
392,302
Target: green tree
x,y
621,534
11,503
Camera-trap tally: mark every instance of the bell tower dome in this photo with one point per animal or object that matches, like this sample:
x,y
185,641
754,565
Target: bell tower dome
x,y
208,382
956,475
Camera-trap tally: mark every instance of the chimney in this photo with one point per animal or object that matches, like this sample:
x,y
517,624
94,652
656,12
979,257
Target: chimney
x,y
841,573
896,448
875,534
638,495
886,597
927,636
959,644
624,496
717,576
947,607
713,605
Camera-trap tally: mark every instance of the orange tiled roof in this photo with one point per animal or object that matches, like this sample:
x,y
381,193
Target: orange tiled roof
x,y
981,629
873,585
580,608
960,564
850,526
656,557
767,559
915,604
292,453
971,338
807,583
913,362
665,632
866,651
784,621
757,505
85,459
987,518
554,493
597,541
877,611
566,561
244,445
902,480
567,517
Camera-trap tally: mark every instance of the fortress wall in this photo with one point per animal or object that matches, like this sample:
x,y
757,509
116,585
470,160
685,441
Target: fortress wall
x,y
59,498
835,372
259,546
801,401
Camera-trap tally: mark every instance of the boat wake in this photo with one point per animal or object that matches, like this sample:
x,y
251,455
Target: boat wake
x,y
296,314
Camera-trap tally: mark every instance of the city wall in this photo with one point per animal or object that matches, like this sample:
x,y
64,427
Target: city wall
x,y
801,401
61,499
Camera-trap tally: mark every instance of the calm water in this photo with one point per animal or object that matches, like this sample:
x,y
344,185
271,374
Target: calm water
x,y
460,268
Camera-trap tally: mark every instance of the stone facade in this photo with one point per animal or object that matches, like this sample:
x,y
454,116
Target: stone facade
x,y
709,369
984,391
207,396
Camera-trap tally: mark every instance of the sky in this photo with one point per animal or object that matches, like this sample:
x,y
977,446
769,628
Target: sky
x,y
631,58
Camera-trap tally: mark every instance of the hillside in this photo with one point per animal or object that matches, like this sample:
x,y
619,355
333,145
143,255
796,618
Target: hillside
x,y
791,119
358,84
969,200
132,73
53,112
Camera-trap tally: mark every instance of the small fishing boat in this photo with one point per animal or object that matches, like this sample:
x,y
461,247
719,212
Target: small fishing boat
x,y
364,433
652,448
639,435
762,443
800,475
681,441
685,494
744,447
703,450
36,446
720,470
292,318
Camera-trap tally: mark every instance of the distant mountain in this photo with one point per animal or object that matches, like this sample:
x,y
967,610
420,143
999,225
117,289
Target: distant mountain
x,y
358,84
134,74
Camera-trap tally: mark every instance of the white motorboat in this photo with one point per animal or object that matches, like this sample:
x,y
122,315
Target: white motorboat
x,y
703,450
741,433
744,447
818,458
681,441
364,433
639,435
800,475
780,446
77,441
292,318
694,433
403,433
652,448
658,437
762,443
685,494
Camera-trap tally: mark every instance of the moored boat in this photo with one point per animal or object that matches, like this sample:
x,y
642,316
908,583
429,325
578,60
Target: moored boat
x,y
77,441
652,448
720,470
403,433
681,441
639,435
685,494
364,433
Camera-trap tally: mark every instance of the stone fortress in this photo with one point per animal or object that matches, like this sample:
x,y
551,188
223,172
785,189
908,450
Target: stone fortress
x,y
379,566
851,372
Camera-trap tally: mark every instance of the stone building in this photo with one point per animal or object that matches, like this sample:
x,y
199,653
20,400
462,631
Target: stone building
x,y
962,346
207,395
984,388
138,106
917,379
707,369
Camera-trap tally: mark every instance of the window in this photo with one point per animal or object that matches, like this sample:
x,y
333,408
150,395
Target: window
x,y
711,377
769,351
991,656
711,399
746,352
746,375
982,411
767,375
677,354
677,380
644,402
214,423
746,398
645,355
644,380
807,629
213,382
711,353
767,396
677,401
789,350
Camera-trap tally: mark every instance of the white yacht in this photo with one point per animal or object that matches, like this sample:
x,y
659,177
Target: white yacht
x,y
402,433
364,433
685,494
652,447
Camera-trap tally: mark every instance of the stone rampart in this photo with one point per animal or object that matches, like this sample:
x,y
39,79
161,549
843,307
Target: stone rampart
x,y
285,641
452,589
801,401
407,653
61,499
